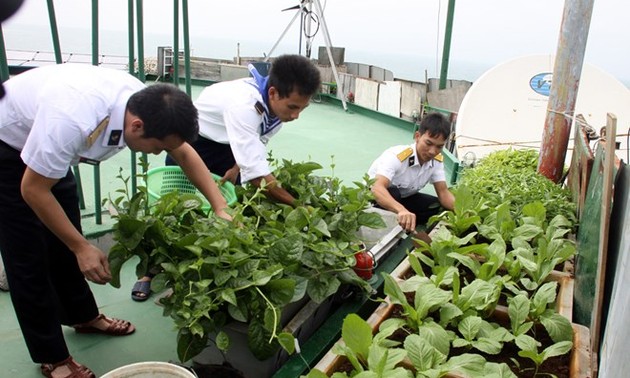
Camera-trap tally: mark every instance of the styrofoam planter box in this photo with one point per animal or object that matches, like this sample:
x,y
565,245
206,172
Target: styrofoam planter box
x,y
302,323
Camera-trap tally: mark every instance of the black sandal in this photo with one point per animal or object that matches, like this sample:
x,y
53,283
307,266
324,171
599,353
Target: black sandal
x,y
141,291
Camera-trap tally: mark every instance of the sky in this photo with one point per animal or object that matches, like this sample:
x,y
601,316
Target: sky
x,y
405,36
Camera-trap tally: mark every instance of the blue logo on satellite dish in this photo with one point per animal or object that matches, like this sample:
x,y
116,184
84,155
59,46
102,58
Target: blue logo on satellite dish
x,y
541,83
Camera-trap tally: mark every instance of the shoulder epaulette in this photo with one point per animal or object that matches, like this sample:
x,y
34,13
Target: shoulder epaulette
x,y
404,154
98,131
259,107
439,157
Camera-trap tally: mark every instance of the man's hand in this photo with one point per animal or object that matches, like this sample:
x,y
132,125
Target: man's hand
x,y
223,214
407,220
93,264
231,175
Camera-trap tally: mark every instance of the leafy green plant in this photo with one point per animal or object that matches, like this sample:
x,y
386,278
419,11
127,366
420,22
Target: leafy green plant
x,y
444,247
529,349
465,214
481,335
220,272
368,357
427,298
511,176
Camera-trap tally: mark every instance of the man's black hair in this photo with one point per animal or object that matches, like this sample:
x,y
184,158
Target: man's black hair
x,y
294,72
436,124
165,110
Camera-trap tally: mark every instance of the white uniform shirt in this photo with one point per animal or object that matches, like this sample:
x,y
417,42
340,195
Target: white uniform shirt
x,y
401,167
227,114
49,114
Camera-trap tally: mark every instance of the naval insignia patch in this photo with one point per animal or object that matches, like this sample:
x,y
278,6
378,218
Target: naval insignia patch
x,y
114,138
402,155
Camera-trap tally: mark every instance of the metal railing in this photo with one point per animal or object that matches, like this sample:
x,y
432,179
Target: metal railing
x,y
135,24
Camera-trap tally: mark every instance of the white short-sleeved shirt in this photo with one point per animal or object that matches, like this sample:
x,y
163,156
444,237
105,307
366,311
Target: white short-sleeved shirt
x,y
52,115
401,167
227,114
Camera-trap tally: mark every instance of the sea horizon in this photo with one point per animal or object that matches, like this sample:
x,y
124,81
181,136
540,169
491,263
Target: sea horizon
x,y
404,66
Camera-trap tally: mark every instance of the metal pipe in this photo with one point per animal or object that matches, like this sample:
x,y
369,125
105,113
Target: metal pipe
x,y
98,216
139,13
4,65
447,44
130,39
576,20
54,32
176,42
186,46
95,32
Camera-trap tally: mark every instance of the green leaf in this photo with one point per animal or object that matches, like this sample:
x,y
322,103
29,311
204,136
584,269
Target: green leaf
x,y
222,341
280,291
469,327
258,341
518,310
287,342
471,365
544,295
527,343
423,356
357,335
557,349
558,327
188,345
287,250
487,345
320,288
371,220
314,373
229,296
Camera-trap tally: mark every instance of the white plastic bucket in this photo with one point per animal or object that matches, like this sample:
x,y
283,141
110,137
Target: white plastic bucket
x,y
150,370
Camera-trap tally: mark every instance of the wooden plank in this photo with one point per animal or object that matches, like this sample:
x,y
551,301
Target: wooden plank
x,y
607,192
581,165
616,336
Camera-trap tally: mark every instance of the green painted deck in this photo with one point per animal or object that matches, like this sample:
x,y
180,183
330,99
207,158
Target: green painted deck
x,y
324,133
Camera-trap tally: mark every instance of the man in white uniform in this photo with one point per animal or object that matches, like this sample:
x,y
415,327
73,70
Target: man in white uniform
x,y
237,118
51,118
402,171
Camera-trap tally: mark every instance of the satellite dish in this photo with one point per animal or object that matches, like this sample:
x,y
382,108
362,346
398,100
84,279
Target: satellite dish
x,y
506,107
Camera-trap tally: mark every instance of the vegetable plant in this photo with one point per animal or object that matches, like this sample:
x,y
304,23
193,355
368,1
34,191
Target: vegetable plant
x,y
247,270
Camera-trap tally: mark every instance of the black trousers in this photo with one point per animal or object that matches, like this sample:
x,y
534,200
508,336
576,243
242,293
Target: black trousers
x,y
47,286
423,205
218,157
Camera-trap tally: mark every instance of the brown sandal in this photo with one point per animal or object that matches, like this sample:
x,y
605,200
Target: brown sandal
x,y
115,327
76,369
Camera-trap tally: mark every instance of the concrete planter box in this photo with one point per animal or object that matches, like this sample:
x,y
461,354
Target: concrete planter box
x,y
301,319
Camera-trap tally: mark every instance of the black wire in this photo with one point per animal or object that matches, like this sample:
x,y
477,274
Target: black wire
x,y
315,19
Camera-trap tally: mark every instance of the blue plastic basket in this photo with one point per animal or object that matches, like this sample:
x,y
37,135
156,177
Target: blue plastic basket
x,y
163,180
